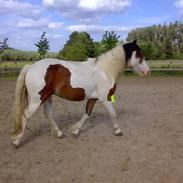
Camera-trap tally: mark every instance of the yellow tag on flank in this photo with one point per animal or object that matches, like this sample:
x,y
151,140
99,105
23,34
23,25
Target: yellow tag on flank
x,y
113,99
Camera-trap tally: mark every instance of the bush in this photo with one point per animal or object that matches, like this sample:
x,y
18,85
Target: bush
x,y
18,55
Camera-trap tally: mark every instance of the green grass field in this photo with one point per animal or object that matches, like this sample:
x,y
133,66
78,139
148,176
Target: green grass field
x,y
9,64
19,55
166,64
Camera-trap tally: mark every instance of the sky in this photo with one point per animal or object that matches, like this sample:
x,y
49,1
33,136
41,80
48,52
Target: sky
x,y
23,22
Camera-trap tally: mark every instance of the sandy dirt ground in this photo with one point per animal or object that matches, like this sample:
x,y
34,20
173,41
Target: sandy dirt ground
x,y
150,111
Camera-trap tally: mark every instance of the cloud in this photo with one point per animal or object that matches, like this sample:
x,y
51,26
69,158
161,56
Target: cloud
x,y
41,23
31,23
97,28
18,8
80,9
179,5
55,25
104,6
23,23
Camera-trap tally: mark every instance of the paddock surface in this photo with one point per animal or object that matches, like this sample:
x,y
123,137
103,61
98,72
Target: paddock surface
x,y
150,111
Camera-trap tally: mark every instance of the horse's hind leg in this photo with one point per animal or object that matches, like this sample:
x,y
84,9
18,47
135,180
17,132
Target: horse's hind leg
x,y
48,113
32,107
89,107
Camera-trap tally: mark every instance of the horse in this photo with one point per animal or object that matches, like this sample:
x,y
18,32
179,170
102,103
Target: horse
x,y
92,80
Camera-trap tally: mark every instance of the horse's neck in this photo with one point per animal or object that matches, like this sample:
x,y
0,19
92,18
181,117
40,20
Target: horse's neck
x,y
112,62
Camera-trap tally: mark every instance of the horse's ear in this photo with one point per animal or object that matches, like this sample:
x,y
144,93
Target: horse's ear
x,y
134,41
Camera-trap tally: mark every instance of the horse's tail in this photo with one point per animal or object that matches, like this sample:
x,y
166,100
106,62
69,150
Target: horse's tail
x,y
21,101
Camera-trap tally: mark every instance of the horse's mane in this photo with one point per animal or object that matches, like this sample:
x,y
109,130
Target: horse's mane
x,y
107,53
112,62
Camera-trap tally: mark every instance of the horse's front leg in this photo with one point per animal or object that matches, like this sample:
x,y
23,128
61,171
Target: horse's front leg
x,y
89,107
112,113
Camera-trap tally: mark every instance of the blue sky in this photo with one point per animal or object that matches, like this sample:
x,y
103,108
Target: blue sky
x,y
24,21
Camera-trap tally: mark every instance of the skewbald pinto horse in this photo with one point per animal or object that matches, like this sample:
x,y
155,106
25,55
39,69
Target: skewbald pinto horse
x,y
94,79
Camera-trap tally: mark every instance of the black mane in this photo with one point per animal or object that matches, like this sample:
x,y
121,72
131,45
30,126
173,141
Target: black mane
x,y
131,47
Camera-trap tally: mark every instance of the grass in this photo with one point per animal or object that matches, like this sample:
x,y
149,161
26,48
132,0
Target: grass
x,y
162,64
19,55
156,73
154,64
10,64
167,73
165,64
9,78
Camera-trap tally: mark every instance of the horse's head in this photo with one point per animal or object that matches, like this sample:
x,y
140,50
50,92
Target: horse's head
x,y
135,58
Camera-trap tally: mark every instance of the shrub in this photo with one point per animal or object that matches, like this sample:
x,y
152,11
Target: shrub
x,y
18,55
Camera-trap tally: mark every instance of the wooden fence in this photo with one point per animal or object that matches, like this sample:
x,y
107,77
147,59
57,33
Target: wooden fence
x,y
166,65
9,72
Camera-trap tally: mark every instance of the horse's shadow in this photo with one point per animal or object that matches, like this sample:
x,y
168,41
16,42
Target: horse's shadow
x,y
65,123
97,118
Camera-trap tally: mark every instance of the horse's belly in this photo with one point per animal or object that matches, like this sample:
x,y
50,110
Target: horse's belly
x,y
85,81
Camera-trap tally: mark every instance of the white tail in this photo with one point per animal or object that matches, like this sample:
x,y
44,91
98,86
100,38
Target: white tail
x,y
20,102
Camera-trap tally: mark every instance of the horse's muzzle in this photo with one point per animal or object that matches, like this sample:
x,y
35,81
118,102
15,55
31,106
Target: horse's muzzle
x,y
145,74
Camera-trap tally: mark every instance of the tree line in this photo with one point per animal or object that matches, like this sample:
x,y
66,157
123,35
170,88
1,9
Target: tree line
x,y
157,42
80,46
160,41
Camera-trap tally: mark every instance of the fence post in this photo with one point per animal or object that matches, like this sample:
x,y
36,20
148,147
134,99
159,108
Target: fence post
x,y
171,65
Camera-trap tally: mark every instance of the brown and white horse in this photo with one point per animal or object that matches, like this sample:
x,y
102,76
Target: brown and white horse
x,y
93,80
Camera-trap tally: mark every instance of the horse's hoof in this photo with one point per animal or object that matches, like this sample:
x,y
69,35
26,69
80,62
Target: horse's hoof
x,y
60,134
16,143
118,132
75,133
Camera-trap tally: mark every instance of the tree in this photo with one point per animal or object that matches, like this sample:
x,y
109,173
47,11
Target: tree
x,y
160,41
43,45
148,51
3,44
168,49
98,48
109,40
78,47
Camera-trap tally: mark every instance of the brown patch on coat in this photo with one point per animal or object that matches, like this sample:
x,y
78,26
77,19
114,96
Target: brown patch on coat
x,y
57,80
89,106
111,92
